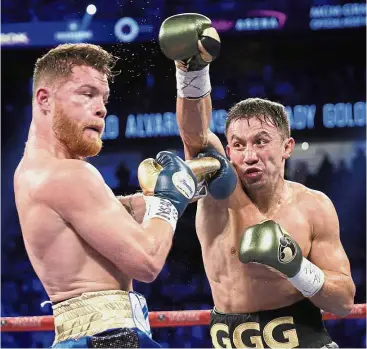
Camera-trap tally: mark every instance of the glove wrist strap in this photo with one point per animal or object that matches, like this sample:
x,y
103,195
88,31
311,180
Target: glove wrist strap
x,y
309,279
193,84
157,207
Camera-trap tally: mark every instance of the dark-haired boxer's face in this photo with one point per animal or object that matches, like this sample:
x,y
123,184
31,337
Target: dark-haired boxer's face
x,y
258,151
79,111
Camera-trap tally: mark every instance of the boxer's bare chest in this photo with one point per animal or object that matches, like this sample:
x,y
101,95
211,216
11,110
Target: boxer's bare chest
x,y
239,287
222,255
291,214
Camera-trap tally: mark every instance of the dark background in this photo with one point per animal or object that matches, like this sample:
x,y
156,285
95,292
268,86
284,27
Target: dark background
x,y
293,65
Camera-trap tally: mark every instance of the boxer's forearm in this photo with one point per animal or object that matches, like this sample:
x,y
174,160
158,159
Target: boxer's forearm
x,y
193,119
135,205
336,295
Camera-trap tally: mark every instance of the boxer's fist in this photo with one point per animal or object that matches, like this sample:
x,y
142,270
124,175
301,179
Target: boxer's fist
x,y
222,184
168,177
268,244
191,38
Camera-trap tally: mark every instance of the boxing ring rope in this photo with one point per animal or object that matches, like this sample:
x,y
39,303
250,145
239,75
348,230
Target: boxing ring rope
x,y
157,319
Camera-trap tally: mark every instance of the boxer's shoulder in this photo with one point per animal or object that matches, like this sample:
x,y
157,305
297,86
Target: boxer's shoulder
x,y
74,171
319,208
305,195
314,199
68,178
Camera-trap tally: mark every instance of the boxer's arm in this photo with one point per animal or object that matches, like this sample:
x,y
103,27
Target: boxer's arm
x,y
135,205
327,252
192,42
193,119
79,195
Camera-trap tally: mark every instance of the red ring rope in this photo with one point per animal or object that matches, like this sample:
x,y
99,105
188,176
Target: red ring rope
x,y
156,318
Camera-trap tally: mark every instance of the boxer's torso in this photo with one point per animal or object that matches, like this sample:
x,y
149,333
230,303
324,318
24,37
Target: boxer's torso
x,y
237,287
66,265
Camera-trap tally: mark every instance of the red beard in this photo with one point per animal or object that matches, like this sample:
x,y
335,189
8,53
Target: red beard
x,y
71,134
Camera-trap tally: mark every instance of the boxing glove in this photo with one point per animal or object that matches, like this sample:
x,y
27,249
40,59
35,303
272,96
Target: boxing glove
x,y
173,183
180,36
222,184
268,243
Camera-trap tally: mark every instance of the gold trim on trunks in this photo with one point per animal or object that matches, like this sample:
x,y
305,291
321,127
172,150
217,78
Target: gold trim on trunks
x,y
92,313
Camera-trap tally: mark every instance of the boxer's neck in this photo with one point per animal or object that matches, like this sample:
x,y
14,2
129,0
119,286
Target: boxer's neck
x,y
270,199
41,140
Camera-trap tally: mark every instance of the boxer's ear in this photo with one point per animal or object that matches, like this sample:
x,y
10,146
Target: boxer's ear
x,y
43,98
228,151
288,146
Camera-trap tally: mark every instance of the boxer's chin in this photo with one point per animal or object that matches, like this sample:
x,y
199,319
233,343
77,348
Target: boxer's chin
x,y
253,184
88,147
82,144
75,137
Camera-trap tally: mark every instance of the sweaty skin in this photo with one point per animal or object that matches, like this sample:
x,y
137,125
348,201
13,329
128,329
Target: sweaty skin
x,y
78,235
307,215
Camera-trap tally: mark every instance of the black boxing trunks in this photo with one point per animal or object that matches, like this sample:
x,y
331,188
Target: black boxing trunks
x,y
299,325
104,319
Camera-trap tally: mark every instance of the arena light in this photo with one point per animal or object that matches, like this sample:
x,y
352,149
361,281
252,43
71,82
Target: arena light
x,y
88,16
91,9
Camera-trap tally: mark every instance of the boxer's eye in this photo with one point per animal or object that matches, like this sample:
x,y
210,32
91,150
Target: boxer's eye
x,y
261,142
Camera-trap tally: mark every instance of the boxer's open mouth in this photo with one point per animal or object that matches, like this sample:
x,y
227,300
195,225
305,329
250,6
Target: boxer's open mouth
x,y
252,172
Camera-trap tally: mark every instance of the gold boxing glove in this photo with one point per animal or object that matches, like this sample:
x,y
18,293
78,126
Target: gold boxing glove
x,y
203,169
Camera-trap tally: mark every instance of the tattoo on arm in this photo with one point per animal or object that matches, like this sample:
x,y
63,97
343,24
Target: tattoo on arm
x,y
129,208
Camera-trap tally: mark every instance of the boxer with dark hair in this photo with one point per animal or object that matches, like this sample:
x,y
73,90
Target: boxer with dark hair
x,y
271,247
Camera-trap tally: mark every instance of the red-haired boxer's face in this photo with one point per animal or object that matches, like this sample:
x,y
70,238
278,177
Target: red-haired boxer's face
x,y
79,111
258,151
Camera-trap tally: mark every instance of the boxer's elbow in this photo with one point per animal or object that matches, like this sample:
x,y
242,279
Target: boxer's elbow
x,y
152,274
347,309
143,268
347,304
150,269
147,277
343,309
349,299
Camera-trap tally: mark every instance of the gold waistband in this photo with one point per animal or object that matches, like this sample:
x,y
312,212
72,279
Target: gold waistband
x,y
91,313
